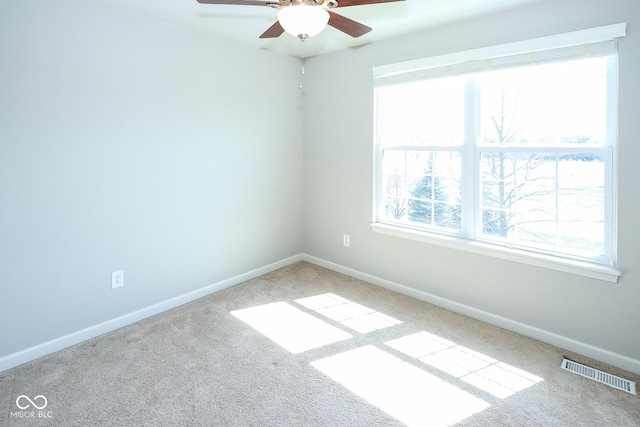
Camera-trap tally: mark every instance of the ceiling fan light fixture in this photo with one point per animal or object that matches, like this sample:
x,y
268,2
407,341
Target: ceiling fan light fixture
x,y
303,21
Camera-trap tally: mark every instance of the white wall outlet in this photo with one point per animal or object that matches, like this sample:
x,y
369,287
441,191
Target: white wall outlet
x,y
346,240
117,279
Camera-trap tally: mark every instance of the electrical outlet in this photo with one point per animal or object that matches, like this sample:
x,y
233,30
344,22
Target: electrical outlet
x,y
117,279
346,240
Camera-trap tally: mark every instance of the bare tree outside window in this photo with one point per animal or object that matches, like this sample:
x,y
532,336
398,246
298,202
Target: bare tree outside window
x,y
507,177
396,202
535,196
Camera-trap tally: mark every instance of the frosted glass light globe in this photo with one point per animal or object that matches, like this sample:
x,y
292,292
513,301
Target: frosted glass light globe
x,y
303,20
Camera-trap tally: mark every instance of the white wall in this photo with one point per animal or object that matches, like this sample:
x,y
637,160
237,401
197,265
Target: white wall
x,y
130,143
338,161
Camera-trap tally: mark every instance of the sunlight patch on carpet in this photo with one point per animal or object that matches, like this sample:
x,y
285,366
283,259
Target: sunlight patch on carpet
x,y
353,315
289,327
407,393
479,370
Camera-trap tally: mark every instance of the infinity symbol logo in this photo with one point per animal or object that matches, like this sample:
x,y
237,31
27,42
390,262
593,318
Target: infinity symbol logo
x,y
31,402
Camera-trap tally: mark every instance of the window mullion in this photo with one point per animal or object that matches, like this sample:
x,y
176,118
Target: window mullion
x,y
557,199
611,159
470,160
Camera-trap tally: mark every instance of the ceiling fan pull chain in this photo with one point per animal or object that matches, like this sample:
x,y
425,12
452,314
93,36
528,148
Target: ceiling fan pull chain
x,y
300,86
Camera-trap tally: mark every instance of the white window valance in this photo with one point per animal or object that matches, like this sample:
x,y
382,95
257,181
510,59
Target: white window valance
x,y
594,42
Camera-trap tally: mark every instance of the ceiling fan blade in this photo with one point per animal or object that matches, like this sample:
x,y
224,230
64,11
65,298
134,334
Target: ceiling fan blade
x,y
274,31
345,3
347,26
242,2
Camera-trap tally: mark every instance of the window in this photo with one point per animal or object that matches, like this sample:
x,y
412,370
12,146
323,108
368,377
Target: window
x,y
515,152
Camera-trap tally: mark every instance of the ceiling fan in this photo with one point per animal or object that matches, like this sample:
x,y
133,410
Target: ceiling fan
x,y
306,18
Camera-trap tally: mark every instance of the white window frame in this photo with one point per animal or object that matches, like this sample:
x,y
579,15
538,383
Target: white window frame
x,y
574,266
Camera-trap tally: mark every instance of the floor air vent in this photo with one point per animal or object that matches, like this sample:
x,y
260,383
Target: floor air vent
x,y
599,376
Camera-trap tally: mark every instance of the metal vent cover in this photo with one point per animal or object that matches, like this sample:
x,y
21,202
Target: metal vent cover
x,y
599,376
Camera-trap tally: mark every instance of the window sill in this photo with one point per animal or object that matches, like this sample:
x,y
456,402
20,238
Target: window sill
x,y
595,271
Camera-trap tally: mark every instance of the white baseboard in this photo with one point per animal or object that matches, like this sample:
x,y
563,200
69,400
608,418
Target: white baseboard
x,y
77,337
35,352
606,356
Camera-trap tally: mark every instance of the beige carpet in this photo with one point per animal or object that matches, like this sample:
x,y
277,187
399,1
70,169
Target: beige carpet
x,y
304,346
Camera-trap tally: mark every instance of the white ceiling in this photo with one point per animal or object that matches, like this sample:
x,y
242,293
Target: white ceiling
x,y
246,23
